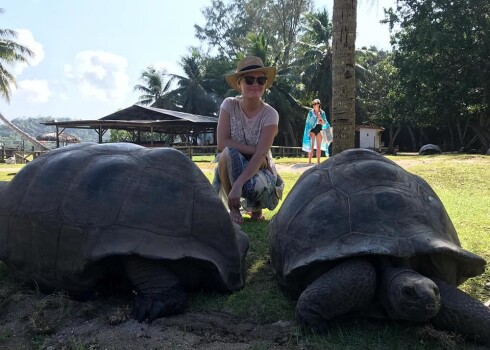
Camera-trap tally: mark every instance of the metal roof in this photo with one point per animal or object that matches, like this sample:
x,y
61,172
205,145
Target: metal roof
x,y
138,112
144,118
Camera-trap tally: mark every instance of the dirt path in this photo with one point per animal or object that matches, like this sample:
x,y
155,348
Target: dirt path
x,y
294,168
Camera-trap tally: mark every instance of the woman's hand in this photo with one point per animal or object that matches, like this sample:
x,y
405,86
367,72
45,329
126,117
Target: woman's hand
x,y
234,196
265,164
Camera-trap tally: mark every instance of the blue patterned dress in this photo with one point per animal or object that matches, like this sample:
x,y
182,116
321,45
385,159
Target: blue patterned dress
x,y
263,190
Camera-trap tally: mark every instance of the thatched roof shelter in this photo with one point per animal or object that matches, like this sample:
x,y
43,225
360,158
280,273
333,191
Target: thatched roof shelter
x,y
63,137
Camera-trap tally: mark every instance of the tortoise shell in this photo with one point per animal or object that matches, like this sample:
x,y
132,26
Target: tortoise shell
x,y
359,203
430,149
65,214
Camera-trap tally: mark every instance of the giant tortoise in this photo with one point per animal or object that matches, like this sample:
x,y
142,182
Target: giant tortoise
x,y
146,218
358,233
429,149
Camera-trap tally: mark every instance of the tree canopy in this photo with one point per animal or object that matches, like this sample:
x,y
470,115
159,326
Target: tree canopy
x,y
10,53
436,76
442,53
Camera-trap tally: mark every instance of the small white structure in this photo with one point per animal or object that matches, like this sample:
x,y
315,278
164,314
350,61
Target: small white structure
x,y
369,136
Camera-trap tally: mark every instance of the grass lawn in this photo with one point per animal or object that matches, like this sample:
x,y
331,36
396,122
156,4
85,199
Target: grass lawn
x,y
463,184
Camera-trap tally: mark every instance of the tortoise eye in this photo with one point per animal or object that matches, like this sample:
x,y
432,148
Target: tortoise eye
x,y
409,292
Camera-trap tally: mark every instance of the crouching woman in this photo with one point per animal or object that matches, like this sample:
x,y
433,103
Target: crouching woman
x,y
246,175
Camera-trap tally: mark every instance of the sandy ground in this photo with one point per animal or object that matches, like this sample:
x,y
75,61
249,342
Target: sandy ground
x,y
30,320
294,168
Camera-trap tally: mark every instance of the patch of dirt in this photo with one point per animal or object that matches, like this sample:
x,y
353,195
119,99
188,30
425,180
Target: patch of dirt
x,y
31,320
294,168
14,170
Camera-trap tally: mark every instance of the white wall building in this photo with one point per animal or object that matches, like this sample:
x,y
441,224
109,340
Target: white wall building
x,y
369,137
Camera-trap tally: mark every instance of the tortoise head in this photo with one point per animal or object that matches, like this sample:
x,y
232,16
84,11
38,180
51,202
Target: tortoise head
x,y
410,296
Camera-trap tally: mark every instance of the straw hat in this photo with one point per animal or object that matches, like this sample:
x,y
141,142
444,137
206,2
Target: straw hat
x,y
316,100
251,64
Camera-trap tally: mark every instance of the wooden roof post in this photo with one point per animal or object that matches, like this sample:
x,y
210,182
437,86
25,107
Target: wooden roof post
x,y
57,137
151,136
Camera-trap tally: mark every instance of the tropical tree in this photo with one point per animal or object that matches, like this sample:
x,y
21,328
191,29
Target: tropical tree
x,y
317,28
343,73
156,90
279,95
12,52
381,98
286,25
228,24
194,92
443,61
316,59
370,77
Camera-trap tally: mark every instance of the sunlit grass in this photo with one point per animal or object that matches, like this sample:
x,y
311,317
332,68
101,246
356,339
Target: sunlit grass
x,y
463,184
7,171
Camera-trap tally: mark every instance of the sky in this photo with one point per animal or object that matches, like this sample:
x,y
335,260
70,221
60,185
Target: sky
x,y
89,54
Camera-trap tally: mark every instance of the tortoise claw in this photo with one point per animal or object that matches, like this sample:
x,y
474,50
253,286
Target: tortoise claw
x,y
157,309
142,307
147,309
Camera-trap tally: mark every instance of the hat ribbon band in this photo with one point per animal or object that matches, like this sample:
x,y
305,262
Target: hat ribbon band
x,y
250,67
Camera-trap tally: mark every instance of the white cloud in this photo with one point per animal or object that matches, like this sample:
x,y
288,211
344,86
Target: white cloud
x,y
25,38
36,91
99,74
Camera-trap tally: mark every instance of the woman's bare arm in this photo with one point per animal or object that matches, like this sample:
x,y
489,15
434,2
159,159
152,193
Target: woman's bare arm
x,y
224,136
266,138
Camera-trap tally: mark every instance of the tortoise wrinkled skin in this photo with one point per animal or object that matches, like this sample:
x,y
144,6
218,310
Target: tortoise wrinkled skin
x,y
70,216
360,205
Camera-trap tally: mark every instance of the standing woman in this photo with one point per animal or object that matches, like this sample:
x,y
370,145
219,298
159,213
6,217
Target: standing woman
x,y
316,121
246,175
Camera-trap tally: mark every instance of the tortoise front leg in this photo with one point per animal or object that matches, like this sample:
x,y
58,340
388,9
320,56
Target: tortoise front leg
x,y
159,291
348,286
462,314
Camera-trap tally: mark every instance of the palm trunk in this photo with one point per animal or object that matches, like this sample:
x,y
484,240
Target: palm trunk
x,y
343,77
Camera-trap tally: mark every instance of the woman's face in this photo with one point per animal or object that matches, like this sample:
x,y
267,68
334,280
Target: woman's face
x,y
316,106
254,89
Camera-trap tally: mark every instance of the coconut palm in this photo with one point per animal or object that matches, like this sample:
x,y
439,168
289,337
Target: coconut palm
x,y
156,91
194,93
279,94
10,53
316,60
318,29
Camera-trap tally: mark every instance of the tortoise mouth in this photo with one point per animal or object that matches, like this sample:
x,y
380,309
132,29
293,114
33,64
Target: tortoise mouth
x,y
418,311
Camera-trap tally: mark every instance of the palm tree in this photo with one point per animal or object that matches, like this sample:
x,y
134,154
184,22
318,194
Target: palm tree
x,y
194,93
317,58
279,94
343,77
10,53
156,92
